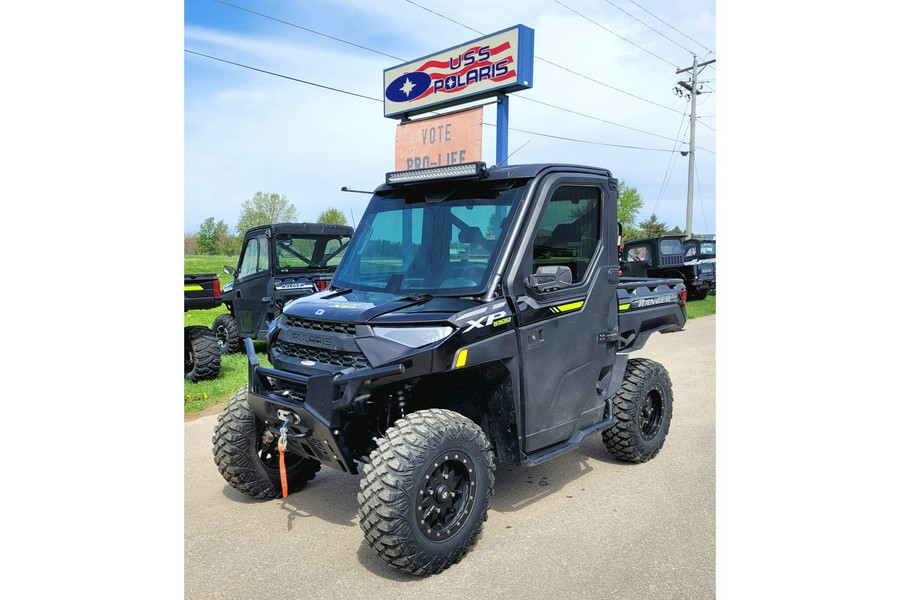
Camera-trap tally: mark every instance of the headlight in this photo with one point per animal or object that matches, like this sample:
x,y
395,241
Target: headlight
x,y
414,337
227,287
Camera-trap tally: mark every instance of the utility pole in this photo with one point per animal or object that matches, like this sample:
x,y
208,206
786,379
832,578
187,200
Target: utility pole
x,y
693,91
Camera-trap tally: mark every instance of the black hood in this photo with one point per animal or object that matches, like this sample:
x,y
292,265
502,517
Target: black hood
x,y
369,307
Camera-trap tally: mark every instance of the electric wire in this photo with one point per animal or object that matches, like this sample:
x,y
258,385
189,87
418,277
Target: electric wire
x,y
670,26
333,89
616,34
337,39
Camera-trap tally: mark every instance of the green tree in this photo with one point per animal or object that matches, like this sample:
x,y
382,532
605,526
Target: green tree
x,y
264,209
332,216
211,237
630,203
653,227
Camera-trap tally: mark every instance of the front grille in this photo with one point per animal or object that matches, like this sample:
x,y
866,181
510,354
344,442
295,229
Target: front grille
x,y
345,328
321,355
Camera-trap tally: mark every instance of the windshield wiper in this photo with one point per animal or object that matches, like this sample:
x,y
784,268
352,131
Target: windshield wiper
x,y
414,296
335,291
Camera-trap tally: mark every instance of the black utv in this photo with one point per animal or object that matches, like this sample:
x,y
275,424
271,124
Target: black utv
x,y
477,318
278,263
664,256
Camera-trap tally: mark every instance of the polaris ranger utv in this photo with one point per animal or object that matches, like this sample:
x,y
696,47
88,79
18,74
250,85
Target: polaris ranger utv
x,y
278,263
477,318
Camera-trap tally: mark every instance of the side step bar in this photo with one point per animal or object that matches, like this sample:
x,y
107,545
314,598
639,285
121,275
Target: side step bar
x,y
573,442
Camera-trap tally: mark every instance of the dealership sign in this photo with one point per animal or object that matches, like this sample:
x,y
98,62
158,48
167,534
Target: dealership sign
x,y
499,63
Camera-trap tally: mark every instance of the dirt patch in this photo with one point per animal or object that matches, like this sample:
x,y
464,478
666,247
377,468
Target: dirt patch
x,y
212,409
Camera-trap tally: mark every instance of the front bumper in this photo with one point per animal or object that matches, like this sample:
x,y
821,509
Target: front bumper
x,y
311,405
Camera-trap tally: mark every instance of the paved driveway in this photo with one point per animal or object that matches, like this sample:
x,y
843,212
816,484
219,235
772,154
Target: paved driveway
x,y
580,526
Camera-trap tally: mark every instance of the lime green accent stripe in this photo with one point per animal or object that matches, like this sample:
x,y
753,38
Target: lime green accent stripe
x,y
624,306
193,288
461,358
569,306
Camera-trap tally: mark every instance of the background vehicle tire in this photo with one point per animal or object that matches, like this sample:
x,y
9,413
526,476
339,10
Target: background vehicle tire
x,y
425,493
202,356
225,328
248,458
643,412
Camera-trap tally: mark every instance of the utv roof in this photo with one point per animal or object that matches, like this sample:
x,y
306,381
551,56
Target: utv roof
x,y
671,236
526,171
305,228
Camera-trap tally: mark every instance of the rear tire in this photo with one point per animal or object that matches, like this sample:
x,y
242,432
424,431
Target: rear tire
x,y
226,330
425,493
643,412
202,356
696,295
248,458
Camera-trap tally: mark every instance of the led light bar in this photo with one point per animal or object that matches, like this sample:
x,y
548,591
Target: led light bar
x,y
474,170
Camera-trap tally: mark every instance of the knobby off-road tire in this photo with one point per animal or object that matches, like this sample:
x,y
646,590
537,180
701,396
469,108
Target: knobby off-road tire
x,y
643,412
202,357
248,458
425,493
226,330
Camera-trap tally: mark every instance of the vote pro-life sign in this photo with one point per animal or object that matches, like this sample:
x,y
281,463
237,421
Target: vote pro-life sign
x,y
490,66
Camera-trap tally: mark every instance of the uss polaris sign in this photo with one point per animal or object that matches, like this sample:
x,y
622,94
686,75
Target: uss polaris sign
x,y
498,63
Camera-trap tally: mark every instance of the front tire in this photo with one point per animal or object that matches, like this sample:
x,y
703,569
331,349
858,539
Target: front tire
x,y
643,412
247,454
202,357
425,493
226,330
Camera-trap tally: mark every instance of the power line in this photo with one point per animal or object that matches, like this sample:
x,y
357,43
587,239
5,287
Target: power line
x,y
607,85
331,37
445,17
648,27
333,89
670,26
568,139
574,112
616,34
665,182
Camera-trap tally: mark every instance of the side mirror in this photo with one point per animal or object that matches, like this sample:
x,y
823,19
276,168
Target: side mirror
x,y
230,270
549,278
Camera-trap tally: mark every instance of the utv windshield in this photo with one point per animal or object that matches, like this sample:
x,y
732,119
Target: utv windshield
x,y
430,241
298,251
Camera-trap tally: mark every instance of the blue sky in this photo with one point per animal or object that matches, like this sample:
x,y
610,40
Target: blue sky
x,y
604,75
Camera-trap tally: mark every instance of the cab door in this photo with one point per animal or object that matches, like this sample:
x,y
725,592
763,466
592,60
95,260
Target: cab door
x,y
252,284
565,334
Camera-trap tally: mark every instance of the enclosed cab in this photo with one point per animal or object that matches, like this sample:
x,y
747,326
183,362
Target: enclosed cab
x,y
278,263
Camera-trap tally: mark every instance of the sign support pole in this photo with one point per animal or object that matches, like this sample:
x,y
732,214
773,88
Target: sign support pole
x,y
502,129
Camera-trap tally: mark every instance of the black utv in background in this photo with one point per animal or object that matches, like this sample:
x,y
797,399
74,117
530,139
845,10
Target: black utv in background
x,y
477,318
278,263
202,354
701,251
664,257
